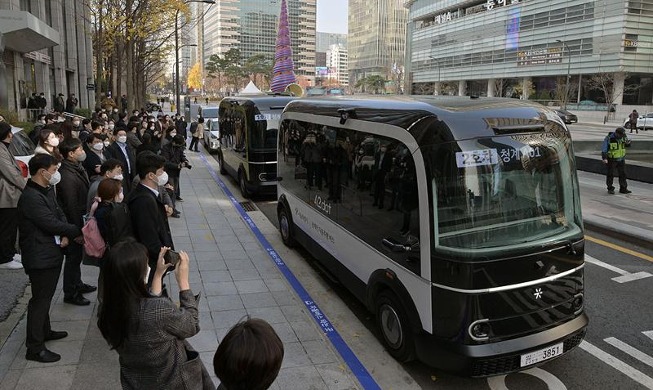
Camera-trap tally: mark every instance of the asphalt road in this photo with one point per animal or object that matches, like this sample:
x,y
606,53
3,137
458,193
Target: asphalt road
x,y
616,353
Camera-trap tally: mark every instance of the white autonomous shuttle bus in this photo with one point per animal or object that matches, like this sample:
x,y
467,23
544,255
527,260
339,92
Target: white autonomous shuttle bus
x,y
456,220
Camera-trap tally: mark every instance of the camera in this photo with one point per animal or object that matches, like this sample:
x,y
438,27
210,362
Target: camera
x,y
171,257
189,166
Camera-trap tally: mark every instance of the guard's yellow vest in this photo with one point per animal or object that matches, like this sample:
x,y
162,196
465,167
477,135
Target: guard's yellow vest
x,y
616,148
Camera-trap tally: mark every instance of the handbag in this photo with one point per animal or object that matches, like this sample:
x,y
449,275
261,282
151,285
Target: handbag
x,y
94,244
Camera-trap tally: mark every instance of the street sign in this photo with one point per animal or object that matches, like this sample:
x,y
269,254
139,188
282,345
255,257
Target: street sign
x,y
90,87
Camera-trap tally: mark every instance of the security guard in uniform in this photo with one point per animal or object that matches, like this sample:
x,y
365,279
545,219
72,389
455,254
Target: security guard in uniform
x,y
614,155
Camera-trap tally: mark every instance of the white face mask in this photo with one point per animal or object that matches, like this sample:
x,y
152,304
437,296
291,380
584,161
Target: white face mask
x,y
111,126
107,143
118,177
163,179
173,133
136,113
55,178
54,142
120,197
98,146
76,124
122,139
81,157
115,110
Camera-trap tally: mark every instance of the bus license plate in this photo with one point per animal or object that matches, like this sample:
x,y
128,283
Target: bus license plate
x,y
541,355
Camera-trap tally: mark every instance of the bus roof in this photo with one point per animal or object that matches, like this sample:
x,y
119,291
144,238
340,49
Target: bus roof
x,y
262,101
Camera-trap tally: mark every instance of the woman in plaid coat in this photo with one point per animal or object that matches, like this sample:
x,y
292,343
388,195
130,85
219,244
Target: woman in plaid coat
x,y
146,329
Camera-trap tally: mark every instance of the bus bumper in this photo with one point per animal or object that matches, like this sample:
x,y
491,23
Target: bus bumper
x,y
500,357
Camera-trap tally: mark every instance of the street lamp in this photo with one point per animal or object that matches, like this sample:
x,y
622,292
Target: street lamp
x,y
177,47
437,61
568,70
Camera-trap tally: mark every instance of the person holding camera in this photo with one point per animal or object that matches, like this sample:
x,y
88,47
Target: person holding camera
x,y
173,152
147,329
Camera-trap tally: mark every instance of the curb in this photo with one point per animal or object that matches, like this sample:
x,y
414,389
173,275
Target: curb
x,y
629,234
8,325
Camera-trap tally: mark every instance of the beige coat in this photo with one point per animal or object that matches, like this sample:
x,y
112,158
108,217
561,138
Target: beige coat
x,y
12,181
199,133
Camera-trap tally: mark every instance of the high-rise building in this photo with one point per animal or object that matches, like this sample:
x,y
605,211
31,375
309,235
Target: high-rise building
x,y
337,64
529,49
251,26
377,37
47,48
323,40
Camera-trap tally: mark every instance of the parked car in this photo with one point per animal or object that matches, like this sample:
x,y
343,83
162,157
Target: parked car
x,y
566,116
22,148
211,127
643,122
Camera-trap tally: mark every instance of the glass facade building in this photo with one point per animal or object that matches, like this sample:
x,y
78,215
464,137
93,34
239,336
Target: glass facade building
x,y
251,26
377,37
497,47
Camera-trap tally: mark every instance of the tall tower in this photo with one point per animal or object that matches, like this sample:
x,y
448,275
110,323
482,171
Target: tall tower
x,y
377,37
283,73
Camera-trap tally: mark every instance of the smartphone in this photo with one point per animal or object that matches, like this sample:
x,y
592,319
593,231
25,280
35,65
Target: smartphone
x,y
171,257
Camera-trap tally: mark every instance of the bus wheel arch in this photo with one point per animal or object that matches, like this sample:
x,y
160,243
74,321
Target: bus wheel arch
x,y
286,225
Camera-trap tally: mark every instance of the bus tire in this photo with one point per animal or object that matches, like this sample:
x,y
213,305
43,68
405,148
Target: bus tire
x,y
395,330
223,170
243,185
286,227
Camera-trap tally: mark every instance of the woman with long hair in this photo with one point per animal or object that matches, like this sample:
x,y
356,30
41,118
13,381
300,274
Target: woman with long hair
x,y
48,143
146,329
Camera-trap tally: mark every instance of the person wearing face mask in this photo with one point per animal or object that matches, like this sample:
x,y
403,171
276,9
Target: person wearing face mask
x,y
148,212
48,143
132,138
110,169
110,126
71,194
43,232
173,152
96,155
120,150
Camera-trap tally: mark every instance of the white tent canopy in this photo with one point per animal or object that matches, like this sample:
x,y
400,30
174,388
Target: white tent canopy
x,y
250,89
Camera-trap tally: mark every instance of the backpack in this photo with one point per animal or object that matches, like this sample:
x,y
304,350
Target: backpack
x,y
193,127
119,224
94,244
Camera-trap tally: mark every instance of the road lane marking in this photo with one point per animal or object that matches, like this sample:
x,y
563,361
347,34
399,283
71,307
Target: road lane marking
x,y
617,364
625,275
634,352
649,334
619,248
552,381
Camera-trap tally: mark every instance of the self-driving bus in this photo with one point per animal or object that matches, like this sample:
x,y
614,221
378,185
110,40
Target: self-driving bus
x,y
456,220
248,140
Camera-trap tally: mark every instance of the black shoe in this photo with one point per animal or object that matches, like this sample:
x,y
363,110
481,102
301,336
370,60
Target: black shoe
x,y
625,191
611,192
86,288
176,215
78,300
56,335
179,199
44,356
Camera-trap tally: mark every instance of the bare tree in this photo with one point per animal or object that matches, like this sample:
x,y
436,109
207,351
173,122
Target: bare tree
x,y
604,82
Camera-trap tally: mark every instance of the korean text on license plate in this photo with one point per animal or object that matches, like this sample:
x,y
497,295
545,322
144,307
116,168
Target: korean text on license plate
x,y
541,355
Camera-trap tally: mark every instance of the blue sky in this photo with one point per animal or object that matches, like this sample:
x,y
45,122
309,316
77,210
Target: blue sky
x,y
332,16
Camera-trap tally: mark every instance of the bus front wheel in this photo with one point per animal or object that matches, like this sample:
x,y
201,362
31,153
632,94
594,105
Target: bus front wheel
x,y
285,227
243,185
393,323
223,170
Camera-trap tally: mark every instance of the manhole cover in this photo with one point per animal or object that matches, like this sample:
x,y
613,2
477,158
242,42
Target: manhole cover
x,y
248,206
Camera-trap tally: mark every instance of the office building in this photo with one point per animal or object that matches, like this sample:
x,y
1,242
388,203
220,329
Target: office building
x,y
528,47
324,40
47,49
251,26
377,37
338,64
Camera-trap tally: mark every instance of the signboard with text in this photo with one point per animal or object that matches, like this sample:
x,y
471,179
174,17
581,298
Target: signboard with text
x,y
552,55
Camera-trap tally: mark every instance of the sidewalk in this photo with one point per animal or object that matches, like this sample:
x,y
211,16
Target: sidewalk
x,y
236,278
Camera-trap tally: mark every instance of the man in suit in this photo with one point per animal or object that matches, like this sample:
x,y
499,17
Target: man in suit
x,y
120,150
382,165
44,231
147,209
71,194
12,183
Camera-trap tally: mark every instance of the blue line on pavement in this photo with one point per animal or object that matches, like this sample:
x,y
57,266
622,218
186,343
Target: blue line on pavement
x,y
339,344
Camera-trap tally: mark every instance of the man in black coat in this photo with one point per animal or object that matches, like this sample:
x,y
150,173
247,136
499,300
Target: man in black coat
x,y
180,125
147,210
71,103
44,231
71,194
120,150
173,152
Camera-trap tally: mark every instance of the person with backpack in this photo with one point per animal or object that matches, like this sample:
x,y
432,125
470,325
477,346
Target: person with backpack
x,y
193,130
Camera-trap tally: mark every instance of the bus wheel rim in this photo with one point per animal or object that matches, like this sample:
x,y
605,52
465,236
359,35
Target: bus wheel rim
x,y
391,326
285,229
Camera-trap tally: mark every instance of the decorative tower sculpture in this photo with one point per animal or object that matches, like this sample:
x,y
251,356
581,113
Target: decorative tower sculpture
x,y
282,73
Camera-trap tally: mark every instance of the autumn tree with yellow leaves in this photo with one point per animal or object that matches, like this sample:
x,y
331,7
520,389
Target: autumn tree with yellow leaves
x,y
131,41
195,77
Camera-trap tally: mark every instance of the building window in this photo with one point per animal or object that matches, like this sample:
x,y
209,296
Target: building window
x,y
25,5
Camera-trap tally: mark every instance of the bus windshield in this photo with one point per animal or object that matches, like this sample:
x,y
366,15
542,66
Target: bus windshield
x,y
263,129
502,191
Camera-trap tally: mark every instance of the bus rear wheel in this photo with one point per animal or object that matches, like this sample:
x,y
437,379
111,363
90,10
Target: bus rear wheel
x,y
393,323
223,170
285,227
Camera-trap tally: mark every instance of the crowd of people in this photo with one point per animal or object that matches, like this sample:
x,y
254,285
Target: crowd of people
x,y
123,174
